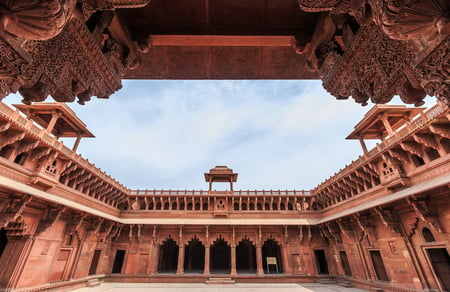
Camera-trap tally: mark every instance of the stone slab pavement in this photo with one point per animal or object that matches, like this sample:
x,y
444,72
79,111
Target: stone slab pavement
x,y
198,287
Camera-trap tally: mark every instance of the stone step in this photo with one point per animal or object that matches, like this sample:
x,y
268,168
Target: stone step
x,y
93,282
219,281
327,280
346,284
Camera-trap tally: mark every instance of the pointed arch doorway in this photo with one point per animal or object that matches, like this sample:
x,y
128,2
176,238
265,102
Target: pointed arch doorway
x,y
246,257
220,257
194,257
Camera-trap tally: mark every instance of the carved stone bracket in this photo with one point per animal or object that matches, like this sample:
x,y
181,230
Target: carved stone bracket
x,y
434,72
13,208
389,219
424,213
50,217
365,225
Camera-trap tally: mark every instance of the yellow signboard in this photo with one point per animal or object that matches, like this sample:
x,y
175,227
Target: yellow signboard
x,y
271,260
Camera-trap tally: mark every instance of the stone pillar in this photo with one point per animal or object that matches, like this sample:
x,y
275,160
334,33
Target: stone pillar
x,y
363,145
207,260
77,143
259,261
233,260
285,259
55,116
180,267
154,259
386,124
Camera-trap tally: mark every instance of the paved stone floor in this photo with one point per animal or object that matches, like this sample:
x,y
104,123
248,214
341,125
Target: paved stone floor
x,y
241,287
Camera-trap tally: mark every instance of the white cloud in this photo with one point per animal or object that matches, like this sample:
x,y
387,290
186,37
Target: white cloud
x,y
166,134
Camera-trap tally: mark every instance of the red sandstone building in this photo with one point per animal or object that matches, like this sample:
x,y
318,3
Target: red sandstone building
x,y
382,222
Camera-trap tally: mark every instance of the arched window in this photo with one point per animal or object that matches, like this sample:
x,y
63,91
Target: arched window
x,y
174,206
197,206
282,206
244,206
158,206
274,206
251,206
266,206
205,206
189,206
432,153
166,206
259,206
236,206
428,235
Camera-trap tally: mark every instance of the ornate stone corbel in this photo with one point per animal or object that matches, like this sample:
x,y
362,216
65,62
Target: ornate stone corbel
x,y
424,213
13,209
11,137
389,220
50,217
366,227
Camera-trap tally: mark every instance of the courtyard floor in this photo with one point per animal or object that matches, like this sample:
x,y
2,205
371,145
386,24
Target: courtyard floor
x,y
197,287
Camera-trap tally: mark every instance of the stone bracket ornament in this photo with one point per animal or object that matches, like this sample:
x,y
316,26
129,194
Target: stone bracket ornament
x,y
50,217
424,213
12,209
389,219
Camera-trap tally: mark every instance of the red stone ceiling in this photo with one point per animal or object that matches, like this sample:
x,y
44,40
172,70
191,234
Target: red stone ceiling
x,y
231,60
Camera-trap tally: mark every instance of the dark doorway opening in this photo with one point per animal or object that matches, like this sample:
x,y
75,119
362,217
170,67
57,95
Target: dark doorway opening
x,y
94,263
194,257
3,240
378,265
220,257
118,261
246,257
440,261
271,249
168,257
345,263
321,261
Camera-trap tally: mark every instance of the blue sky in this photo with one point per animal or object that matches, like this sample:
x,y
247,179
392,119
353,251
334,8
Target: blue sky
x,y
165,134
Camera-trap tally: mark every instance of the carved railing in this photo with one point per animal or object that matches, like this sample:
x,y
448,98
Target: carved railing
x,y
367,173
200,200
53,160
